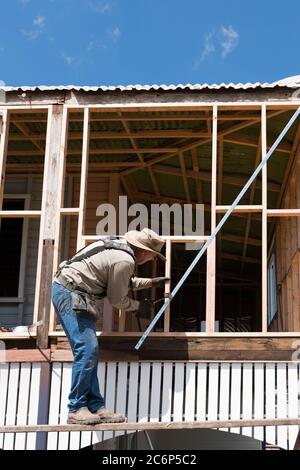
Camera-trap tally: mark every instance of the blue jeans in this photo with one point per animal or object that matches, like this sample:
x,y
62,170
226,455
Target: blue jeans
x,y
81,333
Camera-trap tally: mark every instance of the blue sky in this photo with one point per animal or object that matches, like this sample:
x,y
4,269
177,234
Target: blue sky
x,y
110,42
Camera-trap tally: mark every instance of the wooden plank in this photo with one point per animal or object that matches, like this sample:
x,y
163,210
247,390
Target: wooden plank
x,y
23,405
4,376
224,393
51,197
97,436
293,403
63,437
168,272
235,394
155,392
11,410
45,293
283,212
110,392
133,393
259,399
33,404
144,391
199,191
270,405
264,254
141,118
211,252
130,427
247,397
121,400
240,209
178,395
190,392
83,178
56,375
213,392
167,392
236,347
4,132
27,355
20,214
281,404
184,177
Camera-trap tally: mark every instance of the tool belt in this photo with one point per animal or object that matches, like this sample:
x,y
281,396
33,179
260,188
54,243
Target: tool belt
x,y
82,302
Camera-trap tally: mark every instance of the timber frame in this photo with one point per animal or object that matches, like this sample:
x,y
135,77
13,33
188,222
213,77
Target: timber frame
x,y
58,109
136,141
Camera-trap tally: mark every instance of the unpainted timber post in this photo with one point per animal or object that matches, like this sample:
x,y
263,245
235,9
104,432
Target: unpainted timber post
x,y
211,252
51,200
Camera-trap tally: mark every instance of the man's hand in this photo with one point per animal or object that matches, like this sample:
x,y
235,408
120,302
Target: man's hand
x,y
160,281
145,309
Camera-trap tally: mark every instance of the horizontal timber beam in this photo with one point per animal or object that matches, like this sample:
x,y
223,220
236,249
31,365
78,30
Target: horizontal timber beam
x,y
142,426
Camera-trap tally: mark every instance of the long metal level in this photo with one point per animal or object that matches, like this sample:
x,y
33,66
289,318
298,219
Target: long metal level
x,y
218,228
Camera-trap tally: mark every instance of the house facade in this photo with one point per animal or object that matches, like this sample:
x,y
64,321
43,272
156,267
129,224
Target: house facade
x,y
227,346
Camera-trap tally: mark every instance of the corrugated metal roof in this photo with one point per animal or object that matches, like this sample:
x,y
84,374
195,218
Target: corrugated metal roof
x,y
290,82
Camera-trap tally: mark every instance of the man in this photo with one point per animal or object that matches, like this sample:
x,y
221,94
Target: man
x,y
104,268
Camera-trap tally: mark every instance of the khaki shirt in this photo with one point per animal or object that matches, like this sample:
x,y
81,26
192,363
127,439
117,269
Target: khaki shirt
x,y
111,271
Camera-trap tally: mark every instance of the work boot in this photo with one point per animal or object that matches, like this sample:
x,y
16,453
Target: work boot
x,y
83,416
107,416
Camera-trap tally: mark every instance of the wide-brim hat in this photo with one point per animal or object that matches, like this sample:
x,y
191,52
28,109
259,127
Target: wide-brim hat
x,y
146,239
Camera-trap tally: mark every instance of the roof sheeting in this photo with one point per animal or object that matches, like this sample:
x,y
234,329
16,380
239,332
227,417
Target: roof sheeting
x,y
290,82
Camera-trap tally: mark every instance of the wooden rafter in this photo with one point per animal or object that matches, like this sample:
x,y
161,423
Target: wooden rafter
x,y
251,199
95,135
284,147
197,143
102,151
132,136
168,117
27,135
184,177
199,191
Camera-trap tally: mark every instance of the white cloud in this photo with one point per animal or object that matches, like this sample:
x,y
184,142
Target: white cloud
x,y
24,2
38,27
230,40
101,7
2,83
95,46
115,33
31,35
39,21
208,48
224,40
67,58
90,46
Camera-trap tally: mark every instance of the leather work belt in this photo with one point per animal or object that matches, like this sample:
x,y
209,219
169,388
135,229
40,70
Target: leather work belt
x,y
69,285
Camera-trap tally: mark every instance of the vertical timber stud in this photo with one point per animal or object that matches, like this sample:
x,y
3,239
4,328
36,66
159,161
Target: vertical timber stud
x,y
168,273
4,130
84,177
50,207
211,252
60,202
264,277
